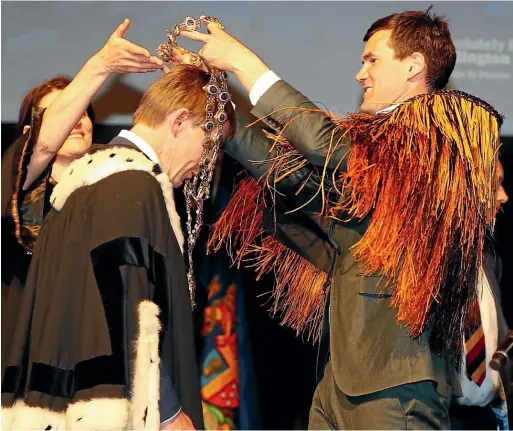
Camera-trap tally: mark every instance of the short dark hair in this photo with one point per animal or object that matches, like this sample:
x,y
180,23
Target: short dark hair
x,y
34,96
418,31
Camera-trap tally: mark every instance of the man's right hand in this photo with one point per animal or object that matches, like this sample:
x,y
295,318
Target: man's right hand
x,y
223,51
181,422
119,55
182,56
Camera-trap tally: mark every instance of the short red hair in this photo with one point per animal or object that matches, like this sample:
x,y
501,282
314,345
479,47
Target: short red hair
x,y
182,87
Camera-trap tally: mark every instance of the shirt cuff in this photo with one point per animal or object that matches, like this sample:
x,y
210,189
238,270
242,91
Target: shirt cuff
x,y
171,418
266,81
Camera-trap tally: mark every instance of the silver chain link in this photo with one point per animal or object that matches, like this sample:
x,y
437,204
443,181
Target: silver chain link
x,y
197,190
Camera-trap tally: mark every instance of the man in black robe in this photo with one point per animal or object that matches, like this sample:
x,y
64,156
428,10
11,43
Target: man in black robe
x,y
105,330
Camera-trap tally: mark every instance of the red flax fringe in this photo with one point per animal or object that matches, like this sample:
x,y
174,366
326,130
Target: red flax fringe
x,y
425,174
298,295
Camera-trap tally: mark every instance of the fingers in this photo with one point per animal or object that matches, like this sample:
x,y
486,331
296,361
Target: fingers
x,y
155,60
213,27
133,64
134,67
141,62
122,28
180,57
139,70
196,35
133,48
165,69
204,67
125,55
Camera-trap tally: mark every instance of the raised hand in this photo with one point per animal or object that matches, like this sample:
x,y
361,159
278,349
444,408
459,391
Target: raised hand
x,y
119,55
223,51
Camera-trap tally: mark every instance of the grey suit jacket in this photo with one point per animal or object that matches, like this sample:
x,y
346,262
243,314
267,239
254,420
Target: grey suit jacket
x,y
369,350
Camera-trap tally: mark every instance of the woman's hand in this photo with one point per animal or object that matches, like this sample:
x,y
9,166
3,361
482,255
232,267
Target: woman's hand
x,y
119,55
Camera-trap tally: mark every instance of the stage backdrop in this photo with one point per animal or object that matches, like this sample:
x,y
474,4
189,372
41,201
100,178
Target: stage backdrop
x,y
316,46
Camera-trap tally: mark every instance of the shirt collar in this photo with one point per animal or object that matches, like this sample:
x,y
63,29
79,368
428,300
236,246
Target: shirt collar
x,y
388,109
141,144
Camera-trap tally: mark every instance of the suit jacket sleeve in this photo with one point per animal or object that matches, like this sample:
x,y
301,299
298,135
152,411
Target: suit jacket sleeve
x,y
303,231
253,150
311,133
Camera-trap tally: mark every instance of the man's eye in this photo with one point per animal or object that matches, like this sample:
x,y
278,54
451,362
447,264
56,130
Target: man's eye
x,y
373,60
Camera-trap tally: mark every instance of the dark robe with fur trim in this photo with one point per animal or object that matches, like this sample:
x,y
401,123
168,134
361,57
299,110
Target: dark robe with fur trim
x,y
23,212
106,299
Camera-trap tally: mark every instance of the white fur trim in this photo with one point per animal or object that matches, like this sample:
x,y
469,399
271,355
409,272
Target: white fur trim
x,y
92,168
101,413
98,414
146,381
141,412
22,417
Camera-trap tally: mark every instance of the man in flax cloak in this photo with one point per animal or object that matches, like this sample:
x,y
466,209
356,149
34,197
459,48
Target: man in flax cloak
x,y
373,224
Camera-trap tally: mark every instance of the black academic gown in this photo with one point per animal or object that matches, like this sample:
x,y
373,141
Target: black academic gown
x,y
23,212
106,299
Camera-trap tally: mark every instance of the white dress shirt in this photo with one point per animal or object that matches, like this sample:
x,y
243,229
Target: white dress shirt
x,y
266,81
472,393
140,143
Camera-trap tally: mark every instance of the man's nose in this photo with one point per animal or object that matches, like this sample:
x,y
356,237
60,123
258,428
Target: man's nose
x,y
361,75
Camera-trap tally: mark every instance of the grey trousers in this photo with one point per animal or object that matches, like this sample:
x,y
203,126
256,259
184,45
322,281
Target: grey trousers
x,y
411,406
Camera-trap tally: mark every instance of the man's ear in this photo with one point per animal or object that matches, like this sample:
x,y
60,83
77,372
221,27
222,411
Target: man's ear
x,y
417,65
176,120
25,129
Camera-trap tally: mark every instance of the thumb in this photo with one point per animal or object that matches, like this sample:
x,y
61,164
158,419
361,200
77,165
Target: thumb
x,y
121,30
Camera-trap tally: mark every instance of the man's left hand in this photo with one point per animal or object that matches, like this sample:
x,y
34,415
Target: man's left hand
x,y
181,422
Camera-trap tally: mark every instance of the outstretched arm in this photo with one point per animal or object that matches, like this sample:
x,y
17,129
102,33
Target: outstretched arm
x,y
117,56
285,109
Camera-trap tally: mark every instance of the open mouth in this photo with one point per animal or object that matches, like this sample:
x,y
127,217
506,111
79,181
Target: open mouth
x,y
76,135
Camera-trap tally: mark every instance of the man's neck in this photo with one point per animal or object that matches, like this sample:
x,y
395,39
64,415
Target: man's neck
x,y
407,96
414,91
156,139
149,134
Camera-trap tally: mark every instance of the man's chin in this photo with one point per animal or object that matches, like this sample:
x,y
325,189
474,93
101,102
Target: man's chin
x,y
177,184
368,108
